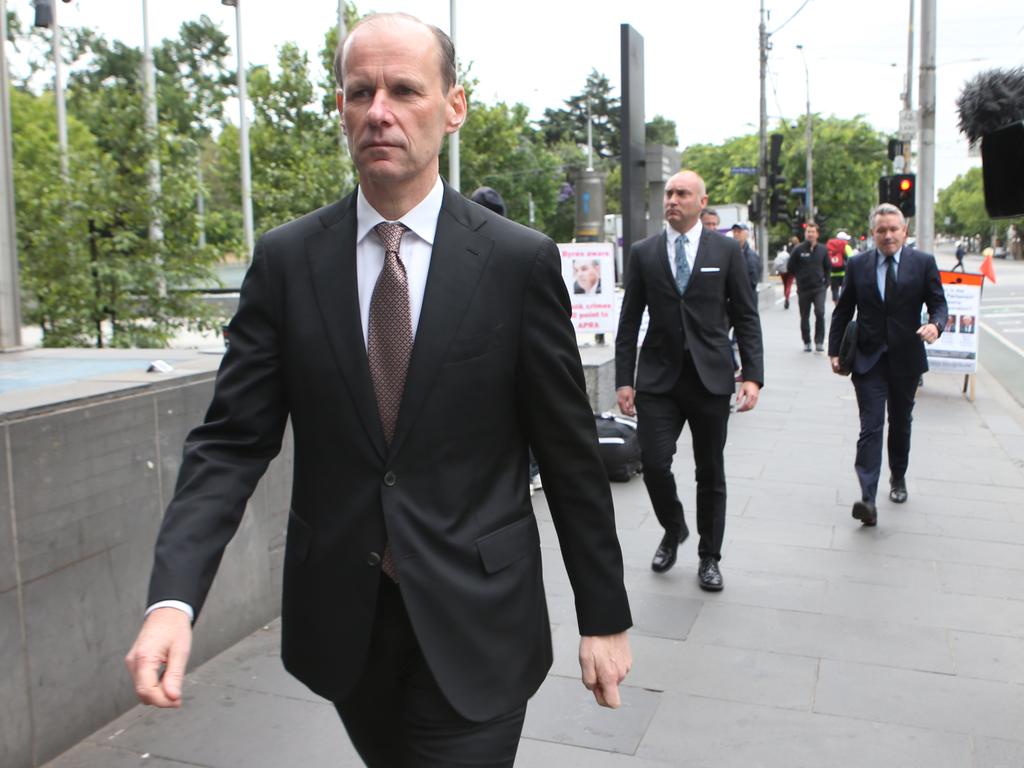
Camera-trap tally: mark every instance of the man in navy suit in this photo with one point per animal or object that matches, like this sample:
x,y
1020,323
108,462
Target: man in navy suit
x,y
694,284
886,287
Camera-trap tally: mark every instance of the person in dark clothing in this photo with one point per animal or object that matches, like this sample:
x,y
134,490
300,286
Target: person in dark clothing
x,y
741,233
809,264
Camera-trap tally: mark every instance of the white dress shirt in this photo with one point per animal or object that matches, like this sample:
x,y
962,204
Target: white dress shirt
x,y
414,252
693,239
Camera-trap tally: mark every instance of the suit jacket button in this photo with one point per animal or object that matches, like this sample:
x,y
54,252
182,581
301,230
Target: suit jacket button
x,y
373,559
390,478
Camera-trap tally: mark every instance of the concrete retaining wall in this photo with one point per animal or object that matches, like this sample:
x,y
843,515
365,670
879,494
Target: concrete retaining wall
x,y
83,486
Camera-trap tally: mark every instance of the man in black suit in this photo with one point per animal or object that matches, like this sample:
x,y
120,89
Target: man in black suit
x,y
886,286
694,285
417,343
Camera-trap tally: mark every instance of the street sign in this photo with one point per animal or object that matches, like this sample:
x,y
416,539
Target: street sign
x,y
744,170
908,124
798,191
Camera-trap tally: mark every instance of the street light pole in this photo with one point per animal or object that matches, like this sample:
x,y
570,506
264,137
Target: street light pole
x,y
243,132
454,166
809,138
762,168
58,93
156,230
10,298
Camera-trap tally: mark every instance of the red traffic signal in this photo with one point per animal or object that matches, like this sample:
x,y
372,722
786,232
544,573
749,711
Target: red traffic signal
x,y
906,184
898,190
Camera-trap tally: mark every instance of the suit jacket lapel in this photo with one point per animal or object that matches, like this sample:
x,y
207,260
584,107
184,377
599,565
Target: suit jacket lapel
x,y
331,255
661,254
456,264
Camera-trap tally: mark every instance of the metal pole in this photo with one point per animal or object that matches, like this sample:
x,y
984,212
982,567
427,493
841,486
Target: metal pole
x,y
156,231
926,157
454,170
58,93
762,182
10,298
342,33
243,137
908,103
809,139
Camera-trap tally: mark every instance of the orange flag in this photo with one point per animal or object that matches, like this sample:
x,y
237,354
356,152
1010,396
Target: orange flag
x,y
988,269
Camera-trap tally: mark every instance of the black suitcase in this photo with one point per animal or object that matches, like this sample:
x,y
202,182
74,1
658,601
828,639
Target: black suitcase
x,y
618,445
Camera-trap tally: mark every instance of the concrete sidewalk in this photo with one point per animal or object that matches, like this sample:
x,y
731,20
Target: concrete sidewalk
x,y
831,645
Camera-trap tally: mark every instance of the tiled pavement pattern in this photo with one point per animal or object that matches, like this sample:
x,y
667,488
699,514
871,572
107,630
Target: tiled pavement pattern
x,y
832,644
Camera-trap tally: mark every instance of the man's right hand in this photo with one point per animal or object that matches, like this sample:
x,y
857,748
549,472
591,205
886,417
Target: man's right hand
x,y
626,397
164,643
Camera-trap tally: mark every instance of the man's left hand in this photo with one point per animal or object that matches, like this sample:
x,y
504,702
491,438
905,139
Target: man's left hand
x,y
605,661
928,332
746,398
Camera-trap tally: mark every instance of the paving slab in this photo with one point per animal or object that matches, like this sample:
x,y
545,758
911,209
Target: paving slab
x,y
832,645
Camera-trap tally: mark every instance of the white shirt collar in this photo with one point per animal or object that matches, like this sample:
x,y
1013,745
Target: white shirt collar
x,y
422,219
692,234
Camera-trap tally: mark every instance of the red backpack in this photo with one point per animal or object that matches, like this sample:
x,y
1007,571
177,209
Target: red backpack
x,y
836,252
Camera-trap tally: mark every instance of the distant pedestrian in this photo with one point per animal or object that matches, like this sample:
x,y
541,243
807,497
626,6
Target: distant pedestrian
x,y
741,233
961,252
886,287
839,252
782,267
710,219
810,266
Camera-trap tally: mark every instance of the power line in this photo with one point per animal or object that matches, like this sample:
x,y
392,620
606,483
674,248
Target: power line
x,y
802,6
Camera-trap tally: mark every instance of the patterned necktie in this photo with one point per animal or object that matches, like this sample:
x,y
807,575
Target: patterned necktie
x,y
890,279
389,342
682,264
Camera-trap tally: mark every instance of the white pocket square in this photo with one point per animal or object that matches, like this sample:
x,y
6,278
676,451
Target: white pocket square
x,y
710,269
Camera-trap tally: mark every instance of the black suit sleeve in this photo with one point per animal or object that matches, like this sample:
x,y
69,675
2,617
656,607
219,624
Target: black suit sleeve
x,y
225,457
935,297
633,303
742,309
845,307
552,393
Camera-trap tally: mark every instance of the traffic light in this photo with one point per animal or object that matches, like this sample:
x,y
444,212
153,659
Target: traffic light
x,y
777,212
899,190
754,206
774,155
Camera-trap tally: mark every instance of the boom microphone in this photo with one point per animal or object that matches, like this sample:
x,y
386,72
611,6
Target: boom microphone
x,y
992,109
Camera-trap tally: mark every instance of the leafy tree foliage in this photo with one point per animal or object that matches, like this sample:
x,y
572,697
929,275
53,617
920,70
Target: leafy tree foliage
x,y
960,211
570,124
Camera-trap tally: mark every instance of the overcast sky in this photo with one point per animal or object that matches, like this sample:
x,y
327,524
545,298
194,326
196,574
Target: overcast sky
x,y
700,58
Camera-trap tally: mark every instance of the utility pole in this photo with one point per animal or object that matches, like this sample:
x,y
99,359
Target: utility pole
x,y
58,93
10,297
342,33
809,139
156,230
243,133
762,180
908,103
926,157
454,171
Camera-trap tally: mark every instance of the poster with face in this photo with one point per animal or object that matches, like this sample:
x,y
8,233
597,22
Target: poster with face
x,y
589,273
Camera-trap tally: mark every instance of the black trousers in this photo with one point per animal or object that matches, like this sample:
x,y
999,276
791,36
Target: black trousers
x,y
877,389
660,420
397,716
806,297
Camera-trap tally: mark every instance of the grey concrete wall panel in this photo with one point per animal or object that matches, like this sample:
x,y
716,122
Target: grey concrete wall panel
x,y
15,724
92,477
8,572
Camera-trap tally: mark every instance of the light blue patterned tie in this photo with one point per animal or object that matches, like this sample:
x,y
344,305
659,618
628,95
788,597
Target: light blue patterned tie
x,y
682,264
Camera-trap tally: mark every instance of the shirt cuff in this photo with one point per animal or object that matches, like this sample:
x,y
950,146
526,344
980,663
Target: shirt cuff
x,y
184,607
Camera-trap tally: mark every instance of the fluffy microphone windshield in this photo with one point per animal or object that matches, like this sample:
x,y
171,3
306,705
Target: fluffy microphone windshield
x,y
990,101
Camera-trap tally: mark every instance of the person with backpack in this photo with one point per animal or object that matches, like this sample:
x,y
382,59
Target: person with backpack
x,y
839,250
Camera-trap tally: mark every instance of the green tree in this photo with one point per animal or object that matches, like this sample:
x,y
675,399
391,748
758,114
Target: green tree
x,y
96,234
570,124
661,130
960,210
297,165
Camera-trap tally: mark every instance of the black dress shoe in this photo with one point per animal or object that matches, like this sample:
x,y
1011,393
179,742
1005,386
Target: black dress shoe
x,y
866,512
897,490
665,555
708,575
